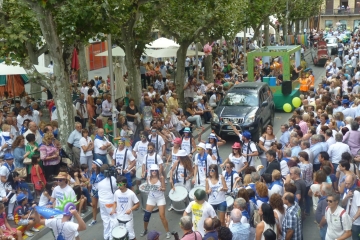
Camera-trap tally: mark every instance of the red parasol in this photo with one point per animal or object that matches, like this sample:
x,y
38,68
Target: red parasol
x,y
75,61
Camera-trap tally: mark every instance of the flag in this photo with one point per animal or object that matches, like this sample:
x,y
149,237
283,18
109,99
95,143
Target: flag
x,y
75,61
48,212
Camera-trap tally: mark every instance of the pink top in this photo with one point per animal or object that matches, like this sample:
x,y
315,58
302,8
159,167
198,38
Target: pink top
x,y
303,126
191,236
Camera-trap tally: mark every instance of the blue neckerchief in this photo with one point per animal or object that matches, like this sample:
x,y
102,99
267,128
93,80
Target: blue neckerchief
x,y
41,133
23,130
245,214
99,177
349,189
98,137
93,177
7,138
8,167
263,199
253,200
203,158
229,175
286,159
321,198
277,182
252,185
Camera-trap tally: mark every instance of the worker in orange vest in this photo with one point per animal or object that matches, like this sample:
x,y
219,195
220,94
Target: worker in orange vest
x,y
304,83
312,78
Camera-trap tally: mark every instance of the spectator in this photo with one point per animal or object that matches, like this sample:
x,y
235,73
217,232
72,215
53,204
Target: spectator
x,y
23,215
239,230
268,221
210,232
186,226
336,150
74,143
19,151
325,191
50,155
292,224
300,186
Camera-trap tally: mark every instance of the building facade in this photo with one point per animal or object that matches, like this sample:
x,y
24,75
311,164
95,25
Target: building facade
x,y
346,12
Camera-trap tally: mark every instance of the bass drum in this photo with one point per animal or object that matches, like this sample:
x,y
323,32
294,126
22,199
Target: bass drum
x,y
120,233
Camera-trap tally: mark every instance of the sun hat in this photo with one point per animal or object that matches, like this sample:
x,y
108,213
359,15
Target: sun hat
x,y
98,162
345,101
187,130
236,145
177,141
208,146
202,145
154,167
212,135
181,153
62,175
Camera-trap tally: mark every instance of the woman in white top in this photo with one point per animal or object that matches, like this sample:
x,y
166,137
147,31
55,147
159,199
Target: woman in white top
x,y
277,204
181,172
268,221
230,176
215,186
86,147
201,165
188,142
174,150
156,197
265,143
237,159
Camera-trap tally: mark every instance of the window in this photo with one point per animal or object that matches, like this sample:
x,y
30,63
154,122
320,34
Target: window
x,y
243,98
356,24
328,23
343,24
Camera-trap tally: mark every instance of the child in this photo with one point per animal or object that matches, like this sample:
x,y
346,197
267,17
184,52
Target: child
x,y
85,175
108,128
5,228
46,194
37,175
25,126
23,216
98,106
81,199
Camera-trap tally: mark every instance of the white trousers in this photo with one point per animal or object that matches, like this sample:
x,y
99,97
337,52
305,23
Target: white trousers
x,y
108,220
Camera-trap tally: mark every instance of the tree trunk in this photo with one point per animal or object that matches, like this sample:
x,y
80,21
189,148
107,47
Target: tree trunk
x,y
297,26
84,72
180,72
209,76
266,31
34,59
59,86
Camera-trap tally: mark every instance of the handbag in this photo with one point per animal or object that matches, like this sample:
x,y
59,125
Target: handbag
x,y
22,172
27,161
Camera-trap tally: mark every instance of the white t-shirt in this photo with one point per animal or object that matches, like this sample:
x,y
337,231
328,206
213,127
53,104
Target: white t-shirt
x,y
35,117
141,150
59,193
4,171
284,168
355,204
104,190
228,180
203,168
124,201
20,120
160,142
245,151
43,201
84,142
98,144
67,229
239,162
334,229
212,100
315,188
276,189
199,213
151,160
119,157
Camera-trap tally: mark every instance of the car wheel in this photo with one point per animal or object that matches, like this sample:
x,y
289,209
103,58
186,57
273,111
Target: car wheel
x,y
272,118
258,132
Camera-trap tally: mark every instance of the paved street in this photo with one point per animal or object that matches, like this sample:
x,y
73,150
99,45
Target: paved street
x,y
96,232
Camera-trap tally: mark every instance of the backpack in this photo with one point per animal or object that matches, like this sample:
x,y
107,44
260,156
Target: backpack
x,y
255,218
341,214
15,211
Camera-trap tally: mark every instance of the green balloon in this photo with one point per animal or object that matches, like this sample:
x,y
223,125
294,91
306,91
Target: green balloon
x,y
296,102
287,107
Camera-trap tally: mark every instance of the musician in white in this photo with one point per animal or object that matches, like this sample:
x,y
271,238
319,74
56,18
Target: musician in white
x,y
158,141
174,150
123,157
125,202
151,158
202,163
140,150
181,172
100,146
231,177
237,159
188,142
156,197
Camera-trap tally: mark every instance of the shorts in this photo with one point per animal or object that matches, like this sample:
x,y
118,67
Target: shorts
x,y
221,207
129,228
94,194
156,201
23,222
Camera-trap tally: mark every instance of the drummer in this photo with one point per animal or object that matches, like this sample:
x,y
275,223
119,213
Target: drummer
x,y
237,159
151,158
181,172
216,189
209,151
174,150
202,163
230,176
156,198
201,210
123,157
188,142
125,202
215,142
140,148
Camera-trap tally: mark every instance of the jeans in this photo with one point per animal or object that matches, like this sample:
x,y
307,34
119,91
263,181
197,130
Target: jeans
x,y
101,157
85,191
323,232
264,163
196,119
335,166
187,69
355,231
207,116
316,167
308,201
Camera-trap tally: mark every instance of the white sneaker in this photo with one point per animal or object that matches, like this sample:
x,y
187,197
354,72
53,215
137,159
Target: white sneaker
x,y
11,218
92,223
29,234
35,230
170,208
168,235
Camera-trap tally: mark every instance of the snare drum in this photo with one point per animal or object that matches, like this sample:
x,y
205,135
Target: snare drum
x,y
192,191
138,173
145,188
177,197
120,233
230,203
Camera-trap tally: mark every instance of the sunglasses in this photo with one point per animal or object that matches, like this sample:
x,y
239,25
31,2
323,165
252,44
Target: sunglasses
x,y
329,201
142,136
120,184
153,170
121,142
212,170
60,180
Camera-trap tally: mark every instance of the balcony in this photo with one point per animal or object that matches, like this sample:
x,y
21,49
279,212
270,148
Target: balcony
x,y
340,12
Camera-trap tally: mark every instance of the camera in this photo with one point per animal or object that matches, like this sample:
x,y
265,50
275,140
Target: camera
x,y
111,172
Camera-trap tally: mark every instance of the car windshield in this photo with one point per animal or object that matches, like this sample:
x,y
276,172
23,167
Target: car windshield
x,y
331,40
241,99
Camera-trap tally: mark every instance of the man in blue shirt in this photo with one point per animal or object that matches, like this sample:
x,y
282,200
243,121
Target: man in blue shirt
x,y
295,148
291,225
316,148
239,230
285,136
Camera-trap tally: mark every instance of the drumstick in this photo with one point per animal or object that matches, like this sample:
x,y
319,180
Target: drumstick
x,y
131,169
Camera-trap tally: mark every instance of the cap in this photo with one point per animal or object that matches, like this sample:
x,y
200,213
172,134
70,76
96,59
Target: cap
x,y
98,162
181,153
236,145
212,135
8,156
200,194
20,197
121,140
247,134
187,130
177,141
62,175
202,145
154,167
208,146
153,235
345,101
